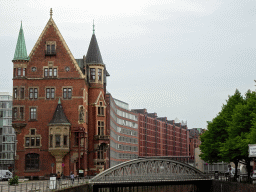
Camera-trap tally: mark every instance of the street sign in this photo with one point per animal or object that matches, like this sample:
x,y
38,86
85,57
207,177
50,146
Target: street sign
x,y
52,165
63,164
252,150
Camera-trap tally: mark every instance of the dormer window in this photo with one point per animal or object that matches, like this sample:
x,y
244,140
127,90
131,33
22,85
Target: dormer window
x,y
50,48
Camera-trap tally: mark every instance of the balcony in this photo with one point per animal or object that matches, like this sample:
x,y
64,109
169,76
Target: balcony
x,y
101,137
50,53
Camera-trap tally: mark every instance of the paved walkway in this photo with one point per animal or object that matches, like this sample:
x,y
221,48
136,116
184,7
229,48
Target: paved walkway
x,y
41,185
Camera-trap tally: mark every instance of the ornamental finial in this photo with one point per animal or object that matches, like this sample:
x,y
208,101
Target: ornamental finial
x,y
51,12
93,27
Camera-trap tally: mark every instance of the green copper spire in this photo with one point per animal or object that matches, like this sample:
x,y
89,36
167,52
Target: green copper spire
x,y
93,30
59,101
21,51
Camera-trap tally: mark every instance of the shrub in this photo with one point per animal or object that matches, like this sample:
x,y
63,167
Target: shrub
x,y
14,180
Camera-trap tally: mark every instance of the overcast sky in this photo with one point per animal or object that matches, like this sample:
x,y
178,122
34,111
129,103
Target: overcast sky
x,y
178,58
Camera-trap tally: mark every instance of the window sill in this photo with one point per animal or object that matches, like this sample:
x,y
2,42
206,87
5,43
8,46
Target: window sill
x,y
31,171
101,115
33,147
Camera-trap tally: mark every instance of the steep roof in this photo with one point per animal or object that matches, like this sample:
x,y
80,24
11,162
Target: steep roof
x,y
93,54
21,50
59,116
49,23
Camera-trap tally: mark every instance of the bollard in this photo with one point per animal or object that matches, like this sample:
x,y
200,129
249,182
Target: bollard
x,y
21,187
26,187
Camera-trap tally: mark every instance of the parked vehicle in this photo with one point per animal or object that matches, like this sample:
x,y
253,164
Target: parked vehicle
x,y
5,175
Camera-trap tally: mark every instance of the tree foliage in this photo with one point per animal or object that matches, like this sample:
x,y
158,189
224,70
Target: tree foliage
x,y
231,131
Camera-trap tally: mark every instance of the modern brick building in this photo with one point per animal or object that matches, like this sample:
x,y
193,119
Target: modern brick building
x,y
59,108
161,137
7,134
123,126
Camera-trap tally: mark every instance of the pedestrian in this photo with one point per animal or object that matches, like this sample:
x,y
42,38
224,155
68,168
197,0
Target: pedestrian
x,y
58,177
62,175
72,177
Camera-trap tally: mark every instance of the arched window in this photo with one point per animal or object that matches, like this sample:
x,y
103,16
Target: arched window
x,y
32,161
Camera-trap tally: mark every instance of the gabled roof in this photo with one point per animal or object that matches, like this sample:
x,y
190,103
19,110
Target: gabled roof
x,y
21,50
93,54
49,23
59,116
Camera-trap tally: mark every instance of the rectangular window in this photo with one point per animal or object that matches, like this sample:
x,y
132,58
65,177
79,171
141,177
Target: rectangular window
x,y
53,48
48,93
69,93
19,71
14,72
21,93
65,93
92,74
32,140
51,137
24,72
101,109
15,93
21,112
65,140
27,142
50,72
33,93
99,74
33,113
45,72
100,127
48,49
55,72
15,113
37,141
32,131
57,140
52,93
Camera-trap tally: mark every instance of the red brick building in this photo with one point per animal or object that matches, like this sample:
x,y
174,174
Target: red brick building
x,y
194,140
123,126
59,108
161,137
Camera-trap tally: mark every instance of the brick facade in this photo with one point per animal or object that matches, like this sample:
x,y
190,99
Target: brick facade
x,y
161,137
54,78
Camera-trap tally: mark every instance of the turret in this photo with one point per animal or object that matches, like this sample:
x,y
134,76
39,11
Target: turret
x,y
20,57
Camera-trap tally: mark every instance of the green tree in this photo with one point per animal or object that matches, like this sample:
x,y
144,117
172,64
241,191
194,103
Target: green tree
x,y
214,139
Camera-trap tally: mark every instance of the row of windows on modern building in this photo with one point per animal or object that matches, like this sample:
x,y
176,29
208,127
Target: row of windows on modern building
x,y
53,72
122,129
122,113
117,155
123,138
6,147
5,105
122,121
19,93
7,130
123,147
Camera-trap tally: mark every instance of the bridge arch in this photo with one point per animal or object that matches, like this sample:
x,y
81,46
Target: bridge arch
x,y
149,170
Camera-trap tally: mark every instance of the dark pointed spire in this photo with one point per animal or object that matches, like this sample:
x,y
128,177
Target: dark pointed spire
x,y
21,50
59,116
93,54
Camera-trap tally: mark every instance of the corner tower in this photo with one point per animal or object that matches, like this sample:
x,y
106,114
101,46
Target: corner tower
x,y
98,135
